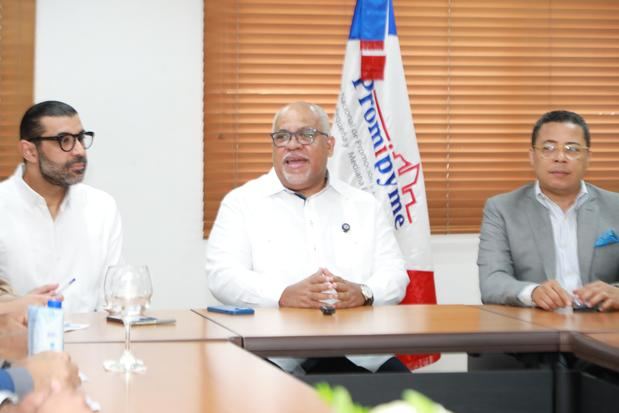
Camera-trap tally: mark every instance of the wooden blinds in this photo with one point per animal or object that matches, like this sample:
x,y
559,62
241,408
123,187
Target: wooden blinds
x,y
16,75
479,74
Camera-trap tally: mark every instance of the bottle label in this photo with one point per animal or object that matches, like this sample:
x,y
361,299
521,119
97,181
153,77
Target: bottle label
x,y
45,329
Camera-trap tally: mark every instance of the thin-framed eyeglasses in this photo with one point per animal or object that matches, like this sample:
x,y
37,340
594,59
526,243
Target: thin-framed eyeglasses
x,y
66,141
305,136
572,151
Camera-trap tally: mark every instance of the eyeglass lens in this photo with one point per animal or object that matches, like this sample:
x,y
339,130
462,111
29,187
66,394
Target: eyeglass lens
x,y
67,141
571,151
305,136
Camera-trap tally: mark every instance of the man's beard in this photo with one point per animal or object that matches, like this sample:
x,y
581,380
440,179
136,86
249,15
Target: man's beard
x,y
61,175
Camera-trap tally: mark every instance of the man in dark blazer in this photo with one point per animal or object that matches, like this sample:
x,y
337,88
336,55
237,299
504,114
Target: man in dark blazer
x,y
553,243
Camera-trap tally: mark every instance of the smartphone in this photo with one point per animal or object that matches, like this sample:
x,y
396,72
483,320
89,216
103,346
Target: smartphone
x,y
230,309
143,320
582,308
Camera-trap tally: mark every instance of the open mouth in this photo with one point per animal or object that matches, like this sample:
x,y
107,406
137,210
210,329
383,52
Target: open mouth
x,y
295,161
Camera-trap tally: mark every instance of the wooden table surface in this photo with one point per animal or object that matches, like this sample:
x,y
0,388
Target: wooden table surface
x,y
587,322
191,377
189,326
598,348
385,329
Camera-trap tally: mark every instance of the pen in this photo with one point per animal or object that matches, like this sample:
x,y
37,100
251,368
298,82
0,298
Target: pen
x,y
60,290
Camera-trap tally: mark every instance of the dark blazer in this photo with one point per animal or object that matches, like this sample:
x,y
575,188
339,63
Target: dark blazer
x,y
516,245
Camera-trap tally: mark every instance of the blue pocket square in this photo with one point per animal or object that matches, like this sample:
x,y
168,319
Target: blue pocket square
x,y
607,238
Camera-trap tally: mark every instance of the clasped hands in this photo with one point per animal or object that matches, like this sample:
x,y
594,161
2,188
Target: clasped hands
x,y
550,296
311,292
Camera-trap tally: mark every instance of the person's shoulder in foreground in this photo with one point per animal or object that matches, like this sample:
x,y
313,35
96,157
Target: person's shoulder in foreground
x,y
520,229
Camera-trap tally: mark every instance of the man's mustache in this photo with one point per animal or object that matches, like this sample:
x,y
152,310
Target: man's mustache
x,y
77,159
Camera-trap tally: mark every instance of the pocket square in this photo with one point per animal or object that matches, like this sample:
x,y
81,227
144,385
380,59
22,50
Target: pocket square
x,y
607,238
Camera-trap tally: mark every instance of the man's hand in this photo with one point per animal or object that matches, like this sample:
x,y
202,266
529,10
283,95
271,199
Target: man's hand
x,y
46,289
56,399
550,296
51,366
348,293
600,294
17,307
308,292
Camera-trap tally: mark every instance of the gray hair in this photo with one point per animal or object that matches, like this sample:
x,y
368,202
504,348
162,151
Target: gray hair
x,y
315,109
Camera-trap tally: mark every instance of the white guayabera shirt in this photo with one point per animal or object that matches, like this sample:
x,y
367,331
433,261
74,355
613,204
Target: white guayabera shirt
x,y
83,240
266,238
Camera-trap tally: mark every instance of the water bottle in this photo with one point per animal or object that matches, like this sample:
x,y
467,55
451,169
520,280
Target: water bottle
x,y
45,328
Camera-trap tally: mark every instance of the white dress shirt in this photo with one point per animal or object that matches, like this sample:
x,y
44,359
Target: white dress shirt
x,y
565,237
266,238
81,242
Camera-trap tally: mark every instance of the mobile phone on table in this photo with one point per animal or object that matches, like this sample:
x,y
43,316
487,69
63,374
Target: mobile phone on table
x,y
583,308
143,320
230,309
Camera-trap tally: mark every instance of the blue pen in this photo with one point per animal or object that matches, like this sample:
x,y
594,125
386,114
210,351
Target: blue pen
x,y
60,290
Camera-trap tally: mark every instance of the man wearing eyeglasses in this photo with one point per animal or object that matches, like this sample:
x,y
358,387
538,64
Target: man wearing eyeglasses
x,y
53,228
298,237
553,243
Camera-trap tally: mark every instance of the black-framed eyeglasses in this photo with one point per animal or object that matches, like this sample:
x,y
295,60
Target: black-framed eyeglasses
x,y
572,151
66,141
305,136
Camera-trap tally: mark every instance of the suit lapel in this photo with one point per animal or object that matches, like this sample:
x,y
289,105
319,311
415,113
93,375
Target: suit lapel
x,y
587,227
541,228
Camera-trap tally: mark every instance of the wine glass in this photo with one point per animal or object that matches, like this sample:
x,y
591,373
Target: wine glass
x,y
127,289
112,310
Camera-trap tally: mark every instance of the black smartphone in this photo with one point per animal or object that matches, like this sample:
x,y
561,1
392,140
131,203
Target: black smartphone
x,y
583,308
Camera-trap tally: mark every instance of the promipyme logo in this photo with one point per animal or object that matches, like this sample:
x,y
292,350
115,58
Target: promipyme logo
x,y
392,167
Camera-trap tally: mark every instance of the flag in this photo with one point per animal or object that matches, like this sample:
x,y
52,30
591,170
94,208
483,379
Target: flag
x,y
376,147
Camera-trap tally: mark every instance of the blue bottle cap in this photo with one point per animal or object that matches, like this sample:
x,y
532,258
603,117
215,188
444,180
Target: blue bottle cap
x,y
54,304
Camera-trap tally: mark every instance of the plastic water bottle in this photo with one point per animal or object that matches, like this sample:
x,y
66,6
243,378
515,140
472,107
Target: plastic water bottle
x,y
46,328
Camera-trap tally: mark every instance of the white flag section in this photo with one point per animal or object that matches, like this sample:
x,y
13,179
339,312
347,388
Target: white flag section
x,y
376,147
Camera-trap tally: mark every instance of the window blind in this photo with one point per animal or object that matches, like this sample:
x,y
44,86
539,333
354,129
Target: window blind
x,y
16,75
479,73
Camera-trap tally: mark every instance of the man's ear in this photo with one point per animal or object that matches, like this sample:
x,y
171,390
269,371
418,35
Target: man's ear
x,y
28,151
331,143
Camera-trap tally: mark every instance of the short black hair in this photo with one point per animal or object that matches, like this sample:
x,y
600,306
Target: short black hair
x,y
30,126
561,116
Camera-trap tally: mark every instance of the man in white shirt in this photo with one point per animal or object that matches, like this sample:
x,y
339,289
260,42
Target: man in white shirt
x,y
553,243
53,227
297,237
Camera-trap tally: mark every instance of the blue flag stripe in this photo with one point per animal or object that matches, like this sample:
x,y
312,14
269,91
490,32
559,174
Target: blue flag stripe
x,y
369,20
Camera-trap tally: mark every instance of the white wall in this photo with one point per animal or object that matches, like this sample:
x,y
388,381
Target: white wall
x,y
133,69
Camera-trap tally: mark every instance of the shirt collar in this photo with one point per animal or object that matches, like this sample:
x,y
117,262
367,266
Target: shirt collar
x,y
274,186
582,196
33,197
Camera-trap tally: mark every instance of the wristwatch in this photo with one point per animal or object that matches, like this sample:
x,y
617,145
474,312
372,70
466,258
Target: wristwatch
x,y
367,294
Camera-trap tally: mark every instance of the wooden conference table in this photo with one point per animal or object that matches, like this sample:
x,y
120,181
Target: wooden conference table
x,y
446,328
385,329
191,377
187,327
195,365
